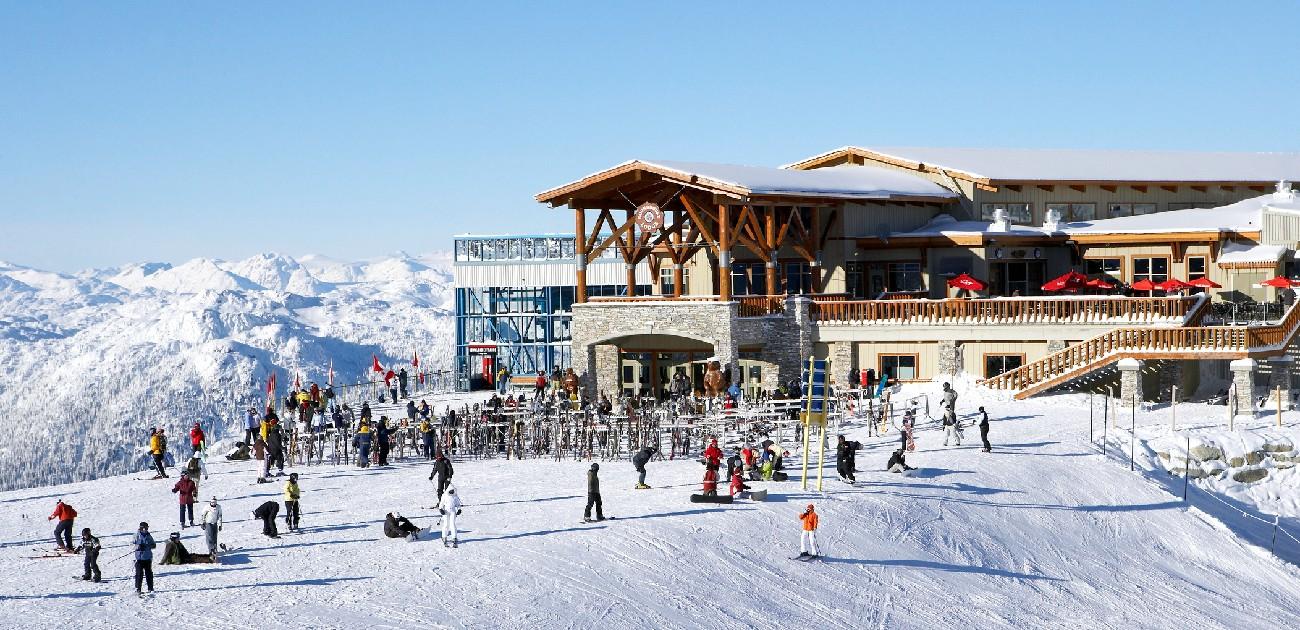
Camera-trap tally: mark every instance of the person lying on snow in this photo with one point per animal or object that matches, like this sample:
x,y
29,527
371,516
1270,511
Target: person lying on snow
x,y
175,553
399,527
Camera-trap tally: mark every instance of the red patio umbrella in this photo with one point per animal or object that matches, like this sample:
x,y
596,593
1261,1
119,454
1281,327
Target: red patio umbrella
x,y
1205,283
968,282
1072,281
1279,282
1144,284
1100,283
1173,284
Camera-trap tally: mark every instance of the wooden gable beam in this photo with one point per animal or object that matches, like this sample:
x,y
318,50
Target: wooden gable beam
x,y
1015,187
698,223
615,238
1228,188
1079,188
1139,187
1172,189
1201,189
1047,187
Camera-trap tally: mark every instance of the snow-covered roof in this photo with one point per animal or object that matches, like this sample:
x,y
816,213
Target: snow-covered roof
x,y
1234,252
840,182
1242,216
1091,164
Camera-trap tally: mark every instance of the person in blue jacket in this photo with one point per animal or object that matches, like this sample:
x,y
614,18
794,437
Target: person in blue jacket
x,y
144,546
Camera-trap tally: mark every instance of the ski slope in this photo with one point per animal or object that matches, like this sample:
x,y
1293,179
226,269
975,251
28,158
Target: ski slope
x,y
1041,533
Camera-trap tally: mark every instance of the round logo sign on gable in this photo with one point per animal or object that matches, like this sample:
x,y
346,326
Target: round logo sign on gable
x,y
649,217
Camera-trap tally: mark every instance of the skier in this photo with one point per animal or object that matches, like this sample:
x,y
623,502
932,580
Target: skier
x,y
158,448
449,508
399,527
266,512
186,490
898,463
984,430
808,538
950,429
845,454
443,471
196,438
90,562
63,530
251,426
211,521
593,494
639,461
362,443
737,483
274,448
949,398
292,512
402,378
144,546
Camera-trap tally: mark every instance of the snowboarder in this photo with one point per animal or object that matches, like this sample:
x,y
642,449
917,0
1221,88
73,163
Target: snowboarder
x,y
950,429
186,490
733,463
292,512
211,521
593,494
449,508
845,456
737,483
984,430
639,461
266,512
90,562
710,479
158,448
808,537
144,546
443,471
197,438
399,527
63,530
747,459
898,463
713,454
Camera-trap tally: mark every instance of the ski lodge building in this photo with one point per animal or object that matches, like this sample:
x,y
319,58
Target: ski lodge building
x,y
850,255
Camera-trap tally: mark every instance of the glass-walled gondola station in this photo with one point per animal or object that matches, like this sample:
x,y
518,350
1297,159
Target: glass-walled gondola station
x,y
513,302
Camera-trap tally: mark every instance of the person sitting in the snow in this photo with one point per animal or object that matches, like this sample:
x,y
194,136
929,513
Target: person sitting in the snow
x,y
898,463
399,527
737,484
174,552
710,479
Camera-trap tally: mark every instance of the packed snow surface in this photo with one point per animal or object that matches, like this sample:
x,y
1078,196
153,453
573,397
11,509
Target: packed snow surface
x,y
1044,532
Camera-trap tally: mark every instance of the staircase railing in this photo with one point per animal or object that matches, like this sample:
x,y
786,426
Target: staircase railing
x,y
1009,311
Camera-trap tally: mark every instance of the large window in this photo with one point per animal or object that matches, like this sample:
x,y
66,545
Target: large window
x,y
1131,209
747,278
1195,267
798,278
1074,211
904,276
995,364
1154,269
855,280
899,366
1112,267
666,279
1019,213
1187,205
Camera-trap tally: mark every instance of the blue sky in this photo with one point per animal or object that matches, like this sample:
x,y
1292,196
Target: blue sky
x,y
165,131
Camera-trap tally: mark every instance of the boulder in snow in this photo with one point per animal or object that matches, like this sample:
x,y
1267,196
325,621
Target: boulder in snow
x,y
1249,475
1206,452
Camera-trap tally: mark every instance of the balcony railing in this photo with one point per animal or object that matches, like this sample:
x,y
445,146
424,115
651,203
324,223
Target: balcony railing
x,y
1008,311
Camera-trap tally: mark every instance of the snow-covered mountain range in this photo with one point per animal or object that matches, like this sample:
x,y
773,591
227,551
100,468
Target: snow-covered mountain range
x,y
90,361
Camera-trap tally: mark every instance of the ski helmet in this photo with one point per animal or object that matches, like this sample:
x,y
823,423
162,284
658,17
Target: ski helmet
x,y
293,476
595,466
144,525
810,507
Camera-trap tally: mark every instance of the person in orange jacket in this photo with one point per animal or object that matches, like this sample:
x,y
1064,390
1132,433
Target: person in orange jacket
x,y
63,531
808,538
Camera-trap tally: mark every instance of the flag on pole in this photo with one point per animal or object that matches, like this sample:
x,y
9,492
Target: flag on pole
x,y
376,367
297,384
270,386
416,362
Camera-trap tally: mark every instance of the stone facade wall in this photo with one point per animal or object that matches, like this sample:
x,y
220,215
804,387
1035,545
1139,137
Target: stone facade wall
x,y
1130,382
950,360
1243,380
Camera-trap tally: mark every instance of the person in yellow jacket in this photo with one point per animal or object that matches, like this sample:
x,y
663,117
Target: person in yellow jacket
x,y
292,513
426,438
158,448
808,538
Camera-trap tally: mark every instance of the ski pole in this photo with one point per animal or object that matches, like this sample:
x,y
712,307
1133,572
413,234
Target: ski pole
x,y
122,556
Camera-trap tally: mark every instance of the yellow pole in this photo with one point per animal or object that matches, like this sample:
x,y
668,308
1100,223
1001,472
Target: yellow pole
x,y
807,423
821,456
806,429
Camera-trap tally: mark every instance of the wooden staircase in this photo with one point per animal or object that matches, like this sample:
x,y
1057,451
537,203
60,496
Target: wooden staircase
x,y
1186,342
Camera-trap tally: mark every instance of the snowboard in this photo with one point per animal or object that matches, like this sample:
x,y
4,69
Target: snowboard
x,y
911,445
700,498
592,520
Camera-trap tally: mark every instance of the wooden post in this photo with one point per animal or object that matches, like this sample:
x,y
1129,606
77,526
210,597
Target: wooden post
x,y
774,248
628,250
679,275
724,253
580,253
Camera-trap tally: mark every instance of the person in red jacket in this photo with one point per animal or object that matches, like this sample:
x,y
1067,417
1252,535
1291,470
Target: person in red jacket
x,y
63,531
186,489
197,438
713,454
737,484
747,457
710,480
